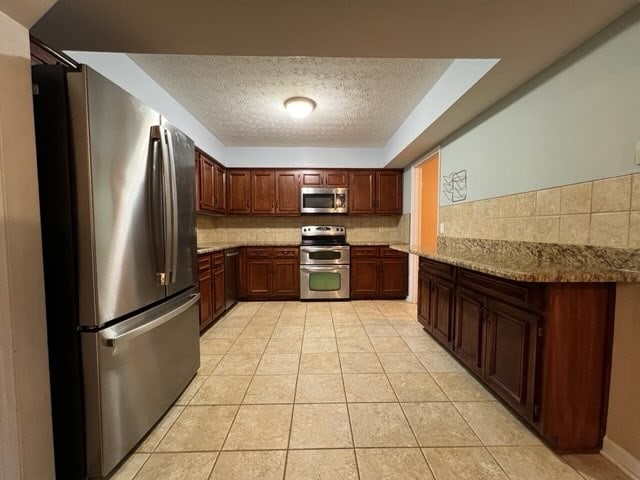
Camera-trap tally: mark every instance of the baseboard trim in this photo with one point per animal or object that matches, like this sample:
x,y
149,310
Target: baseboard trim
x,y
621,458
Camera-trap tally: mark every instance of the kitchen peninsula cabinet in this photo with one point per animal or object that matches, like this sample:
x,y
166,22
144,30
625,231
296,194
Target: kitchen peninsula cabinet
x,y
271,272
375,192
435,306
543,348
378,272
211,285
210,185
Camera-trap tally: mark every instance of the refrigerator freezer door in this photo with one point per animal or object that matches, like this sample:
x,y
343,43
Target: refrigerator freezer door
x,y
120,247
133,372
184,250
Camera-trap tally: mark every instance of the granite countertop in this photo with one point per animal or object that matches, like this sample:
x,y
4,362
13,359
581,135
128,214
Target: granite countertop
x,y
206,247
535,262
209,247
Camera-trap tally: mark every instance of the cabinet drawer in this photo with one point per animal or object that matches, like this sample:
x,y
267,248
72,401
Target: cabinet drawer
x,y
528,295
218,258
364,252
286,252
437,268
204,262
391,253
258,252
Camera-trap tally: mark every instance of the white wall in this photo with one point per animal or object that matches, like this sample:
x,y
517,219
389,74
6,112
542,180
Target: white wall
x,y
295,157
577,121
26,448
123,71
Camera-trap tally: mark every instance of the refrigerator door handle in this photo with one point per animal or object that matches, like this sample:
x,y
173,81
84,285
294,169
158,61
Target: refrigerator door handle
x,y
110,338
168,207
174,207
158,201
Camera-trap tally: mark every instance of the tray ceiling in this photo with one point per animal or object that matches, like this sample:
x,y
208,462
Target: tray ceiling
x,y
361,102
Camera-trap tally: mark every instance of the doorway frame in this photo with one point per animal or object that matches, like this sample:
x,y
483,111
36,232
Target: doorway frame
x,y
415,221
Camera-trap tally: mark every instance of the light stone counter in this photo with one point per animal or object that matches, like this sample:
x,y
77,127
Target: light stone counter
x,y
535,262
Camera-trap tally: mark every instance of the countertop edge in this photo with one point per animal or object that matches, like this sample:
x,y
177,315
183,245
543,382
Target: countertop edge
x,y
608,276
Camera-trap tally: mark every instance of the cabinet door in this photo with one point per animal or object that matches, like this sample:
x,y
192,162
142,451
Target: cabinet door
x,y
361,191
263,192
364,277
424,301
207,173
218,292
286,278
204,282
393,277
287,192
258,278
510,361
469,325
219,193
442,310
388,192
336,178
311,178
238,191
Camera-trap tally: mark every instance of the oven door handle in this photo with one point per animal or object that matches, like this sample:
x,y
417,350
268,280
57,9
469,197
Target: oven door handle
x,y
310,248
323,268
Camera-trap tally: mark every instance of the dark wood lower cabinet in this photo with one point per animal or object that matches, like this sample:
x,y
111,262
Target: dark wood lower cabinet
x,y
272,272
544,349
468,344
211,286
511,354
378,272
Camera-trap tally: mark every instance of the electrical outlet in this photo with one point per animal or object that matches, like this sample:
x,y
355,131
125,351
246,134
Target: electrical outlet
x,y
442,227
638,152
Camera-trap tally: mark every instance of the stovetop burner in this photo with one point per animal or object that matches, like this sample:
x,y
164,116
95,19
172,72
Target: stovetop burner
x,y
320,235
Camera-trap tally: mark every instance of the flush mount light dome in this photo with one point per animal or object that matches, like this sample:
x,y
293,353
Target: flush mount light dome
x,y
299,107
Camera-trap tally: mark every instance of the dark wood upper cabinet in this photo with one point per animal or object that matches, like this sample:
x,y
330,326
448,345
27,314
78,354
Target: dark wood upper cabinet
x,y
362,191
336,178
263,192
324,178
312,178
219,188
206,169
287,192
210,184
375,191
238,191
388,192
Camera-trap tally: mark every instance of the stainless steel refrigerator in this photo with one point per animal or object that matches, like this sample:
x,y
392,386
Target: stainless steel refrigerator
x,y
117,197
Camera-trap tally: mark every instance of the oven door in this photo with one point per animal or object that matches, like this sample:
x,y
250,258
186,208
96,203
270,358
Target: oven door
x,y
337,255
324,282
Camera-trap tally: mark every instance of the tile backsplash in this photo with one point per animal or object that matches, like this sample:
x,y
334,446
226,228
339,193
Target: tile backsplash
x,y
383,229
603,212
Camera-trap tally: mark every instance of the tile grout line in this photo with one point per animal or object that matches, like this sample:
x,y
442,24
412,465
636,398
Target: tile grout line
x,y
237,409
344,389
295,393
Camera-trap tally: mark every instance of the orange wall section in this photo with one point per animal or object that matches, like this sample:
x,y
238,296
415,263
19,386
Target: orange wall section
x,y
429,202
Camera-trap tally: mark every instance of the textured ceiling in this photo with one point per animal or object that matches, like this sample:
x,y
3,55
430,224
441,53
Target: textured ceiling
x,y
361,102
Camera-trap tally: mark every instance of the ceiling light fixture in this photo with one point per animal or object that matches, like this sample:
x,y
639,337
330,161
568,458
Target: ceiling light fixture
x,y
299,107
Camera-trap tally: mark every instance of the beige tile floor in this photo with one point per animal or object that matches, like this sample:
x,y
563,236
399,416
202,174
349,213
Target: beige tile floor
x,y
340,390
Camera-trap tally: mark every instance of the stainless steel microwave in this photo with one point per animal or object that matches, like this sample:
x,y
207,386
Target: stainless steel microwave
x,y
323,200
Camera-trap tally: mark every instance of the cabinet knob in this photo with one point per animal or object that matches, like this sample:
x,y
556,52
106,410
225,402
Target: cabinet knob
x,y
247,203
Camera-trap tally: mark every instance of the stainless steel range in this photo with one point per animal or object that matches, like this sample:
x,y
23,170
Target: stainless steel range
x,y
324,263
